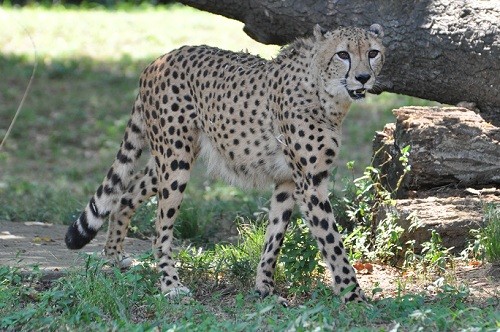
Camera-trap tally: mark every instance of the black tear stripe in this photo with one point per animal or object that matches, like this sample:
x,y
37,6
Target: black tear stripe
x,y
348,70
331,60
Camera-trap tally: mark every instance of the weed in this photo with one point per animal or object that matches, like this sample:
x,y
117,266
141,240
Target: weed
x,y
243,258
366,194
235,264
300,258
484,243
387,240
433,257
475,246
373,237
384,245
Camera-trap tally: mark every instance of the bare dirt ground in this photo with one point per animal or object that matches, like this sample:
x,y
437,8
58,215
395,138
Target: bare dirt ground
x,y
24,244
27,244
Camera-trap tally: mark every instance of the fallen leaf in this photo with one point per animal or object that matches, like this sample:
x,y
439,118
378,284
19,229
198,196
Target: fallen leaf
x,y
358,266
368,267
363,268
475,263
42,239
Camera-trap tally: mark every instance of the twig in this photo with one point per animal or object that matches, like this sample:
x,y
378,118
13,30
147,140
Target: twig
x,y
25,93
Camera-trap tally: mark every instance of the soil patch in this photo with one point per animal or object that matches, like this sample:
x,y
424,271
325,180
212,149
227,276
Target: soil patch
x,y
25,244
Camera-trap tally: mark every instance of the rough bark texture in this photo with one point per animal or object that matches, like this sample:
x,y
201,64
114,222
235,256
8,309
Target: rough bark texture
x,y
443,50
449,145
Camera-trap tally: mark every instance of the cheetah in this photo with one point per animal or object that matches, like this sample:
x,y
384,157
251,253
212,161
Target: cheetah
x,y
255,122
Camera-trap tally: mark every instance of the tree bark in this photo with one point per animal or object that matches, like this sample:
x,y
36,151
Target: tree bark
x,y
449,146
442,50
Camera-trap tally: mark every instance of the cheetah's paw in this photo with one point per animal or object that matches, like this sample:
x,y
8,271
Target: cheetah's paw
x,y
122,261
125,262
178,292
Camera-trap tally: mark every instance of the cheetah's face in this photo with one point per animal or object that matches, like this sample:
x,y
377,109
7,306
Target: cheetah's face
x,y
348,60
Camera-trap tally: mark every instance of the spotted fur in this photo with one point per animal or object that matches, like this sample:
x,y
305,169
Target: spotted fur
x,y
254,122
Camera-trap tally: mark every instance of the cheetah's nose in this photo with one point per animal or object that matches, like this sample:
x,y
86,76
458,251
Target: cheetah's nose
x,y
363,78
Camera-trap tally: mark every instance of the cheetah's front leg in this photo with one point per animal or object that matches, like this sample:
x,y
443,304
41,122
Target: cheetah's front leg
x,y
282,204
316,207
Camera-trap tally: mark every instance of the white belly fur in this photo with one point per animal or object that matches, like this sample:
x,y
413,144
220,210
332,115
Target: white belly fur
x,y
274,169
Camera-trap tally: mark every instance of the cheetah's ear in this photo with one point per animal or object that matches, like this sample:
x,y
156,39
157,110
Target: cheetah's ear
x,y
377,30
319,32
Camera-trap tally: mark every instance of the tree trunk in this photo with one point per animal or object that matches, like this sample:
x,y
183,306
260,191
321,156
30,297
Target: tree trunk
x,y
442,50
449,146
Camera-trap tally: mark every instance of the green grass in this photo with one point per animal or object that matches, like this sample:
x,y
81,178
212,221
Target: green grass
x,y
98,298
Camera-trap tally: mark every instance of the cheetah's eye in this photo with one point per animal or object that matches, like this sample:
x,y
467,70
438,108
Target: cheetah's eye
x,y
343,55
373,54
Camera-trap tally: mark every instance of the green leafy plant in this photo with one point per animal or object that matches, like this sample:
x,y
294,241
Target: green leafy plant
x,y
234,263
366,194
475,246
386,246
484,243
433,257
300,258
434,254
374,237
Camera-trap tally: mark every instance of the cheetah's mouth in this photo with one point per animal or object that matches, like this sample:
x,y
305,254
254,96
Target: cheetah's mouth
x,y
357,94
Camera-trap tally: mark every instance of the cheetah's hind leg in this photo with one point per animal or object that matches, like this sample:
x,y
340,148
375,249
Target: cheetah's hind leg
x,y
140,189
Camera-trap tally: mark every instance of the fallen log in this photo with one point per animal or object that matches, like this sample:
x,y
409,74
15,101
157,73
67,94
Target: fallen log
x,y
452,217
454,171
449,146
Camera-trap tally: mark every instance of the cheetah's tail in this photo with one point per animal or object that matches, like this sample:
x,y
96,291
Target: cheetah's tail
x,y
85,228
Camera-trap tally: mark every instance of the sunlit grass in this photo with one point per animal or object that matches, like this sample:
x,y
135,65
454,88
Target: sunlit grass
x,y
114,35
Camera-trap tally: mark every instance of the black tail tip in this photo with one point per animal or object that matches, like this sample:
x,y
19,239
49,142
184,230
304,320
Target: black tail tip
x,y
76,240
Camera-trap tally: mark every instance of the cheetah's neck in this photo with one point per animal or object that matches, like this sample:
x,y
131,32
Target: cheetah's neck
x,y
324,107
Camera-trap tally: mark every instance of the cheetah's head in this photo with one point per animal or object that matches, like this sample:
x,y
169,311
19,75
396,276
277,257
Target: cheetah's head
x,y
346,61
